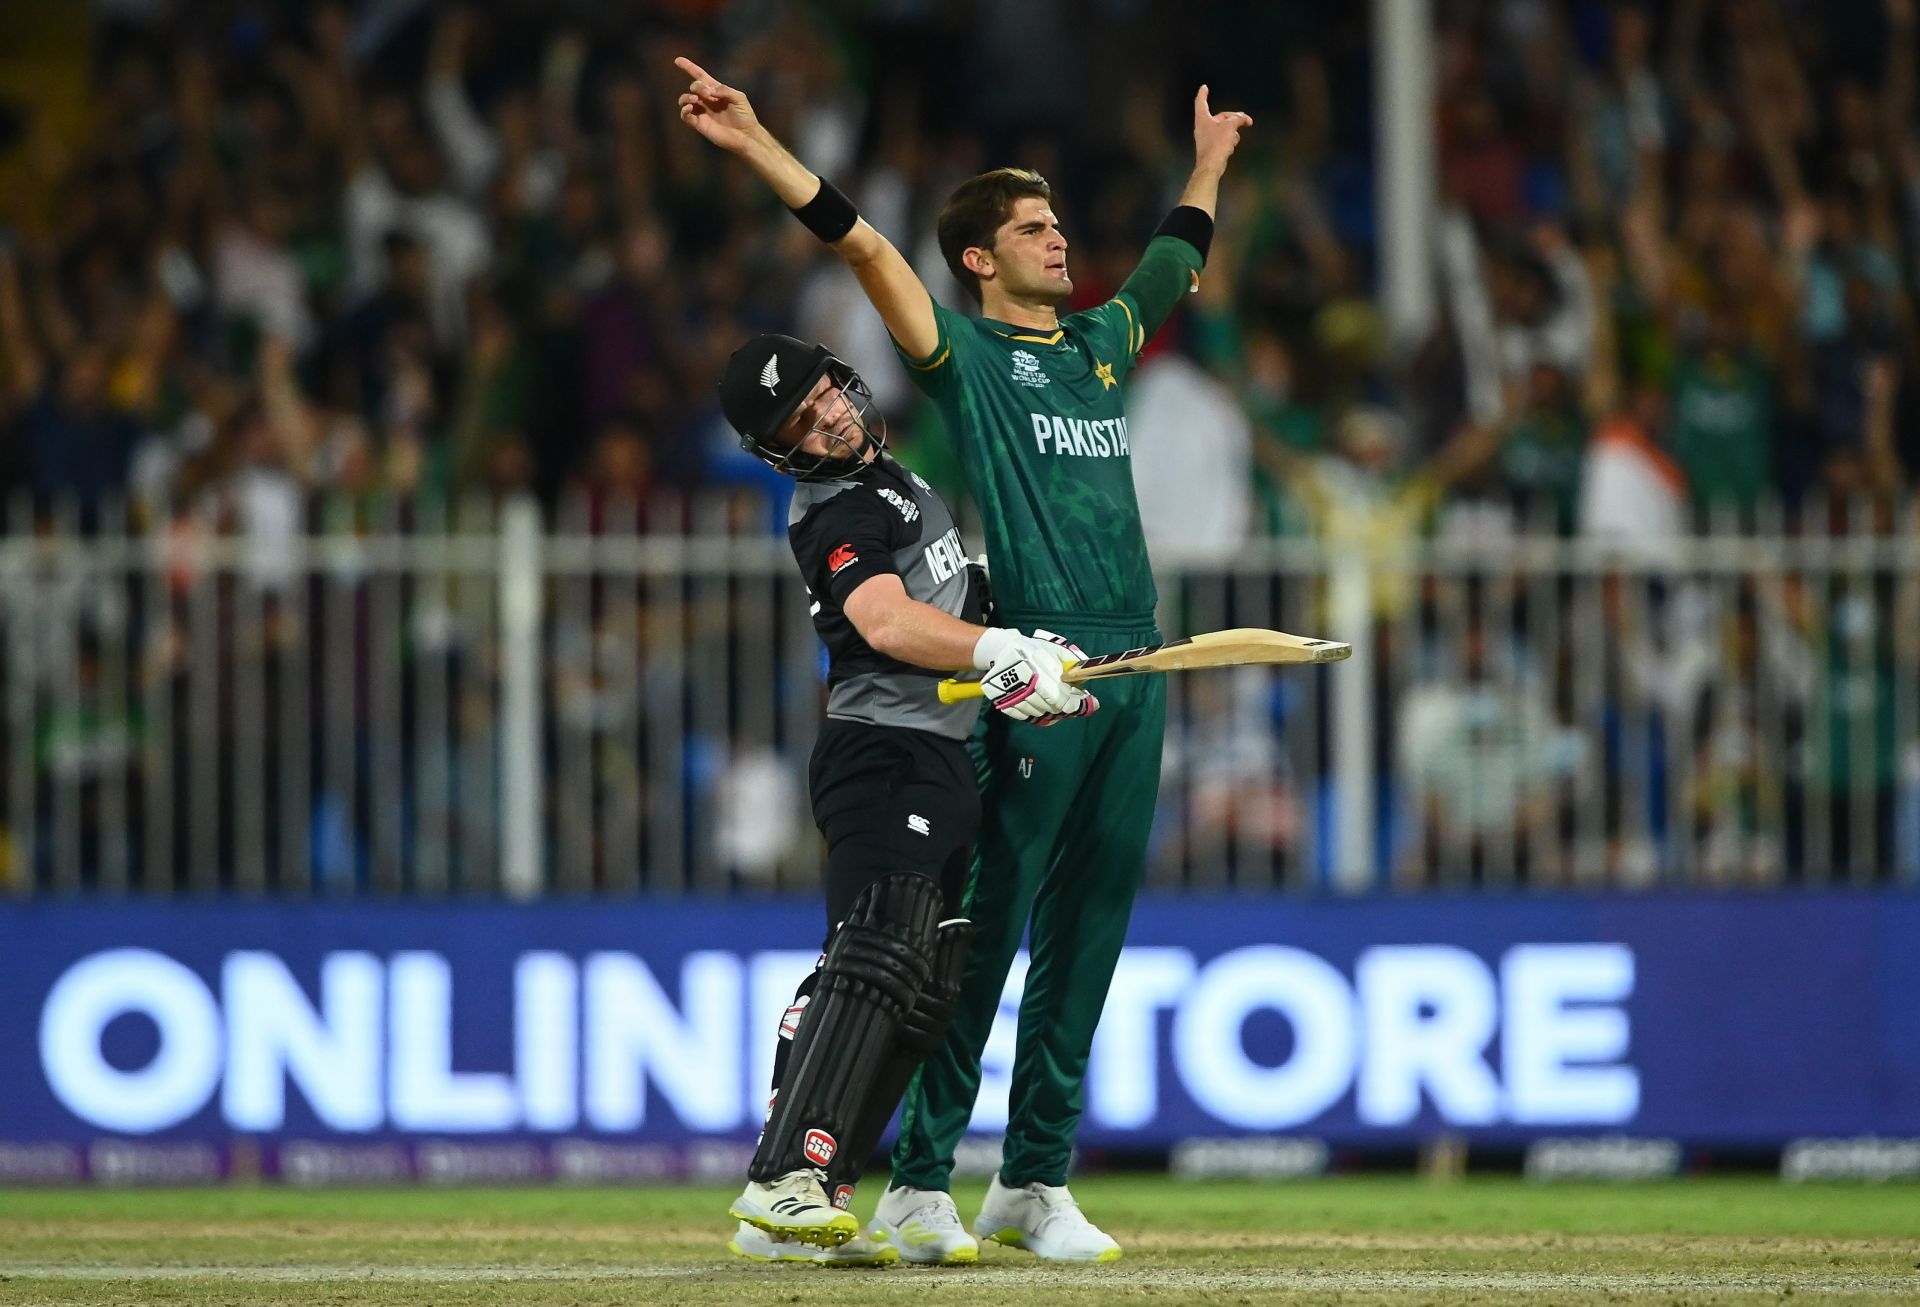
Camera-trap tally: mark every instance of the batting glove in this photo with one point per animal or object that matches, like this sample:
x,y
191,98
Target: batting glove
x,y
1088,704
1022,676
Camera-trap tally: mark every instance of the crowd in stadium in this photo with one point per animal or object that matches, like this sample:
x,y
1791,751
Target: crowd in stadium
x,y
311,267
303,249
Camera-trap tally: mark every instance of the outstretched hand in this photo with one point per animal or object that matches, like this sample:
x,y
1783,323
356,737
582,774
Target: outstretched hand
x,y
1215,134
715,110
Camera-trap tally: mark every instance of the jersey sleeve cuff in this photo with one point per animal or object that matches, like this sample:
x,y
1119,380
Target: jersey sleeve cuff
x,y
927,363
941,352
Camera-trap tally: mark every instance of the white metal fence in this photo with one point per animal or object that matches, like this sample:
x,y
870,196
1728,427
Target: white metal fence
x,y
424,700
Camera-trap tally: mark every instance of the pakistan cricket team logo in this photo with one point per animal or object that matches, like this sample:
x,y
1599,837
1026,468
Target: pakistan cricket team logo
x,y
1026,370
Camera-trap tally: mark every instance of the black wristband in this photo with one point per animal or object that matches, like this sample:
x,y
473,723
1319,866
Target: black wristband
x,y
829,214
1194,226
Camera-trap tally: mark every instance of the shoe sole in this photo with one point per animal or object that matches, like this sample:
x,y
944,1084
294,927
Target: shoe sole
x,y
1014,1238
958,1257
826,1234
884,1257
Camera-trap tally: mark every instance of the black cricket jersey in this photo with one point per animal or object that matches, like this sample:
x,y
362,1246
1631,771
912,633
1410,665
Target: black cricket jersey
x,y
882,518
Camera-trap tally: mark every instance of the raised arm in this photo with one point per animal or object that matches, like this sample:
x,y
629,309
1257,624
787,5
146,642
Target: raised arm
x,y
1169,268
464,136
722,114
26,365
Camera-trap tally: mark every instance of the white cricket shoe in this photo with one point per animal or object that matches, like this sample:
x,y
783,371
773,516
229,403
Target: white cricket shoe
x,y
795,1206
757,1245
924,1226
1044,1220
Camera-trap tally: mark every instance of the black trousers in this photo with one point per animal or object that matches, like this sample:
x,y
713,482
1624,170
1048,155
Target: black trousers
x,y
891,799
888,799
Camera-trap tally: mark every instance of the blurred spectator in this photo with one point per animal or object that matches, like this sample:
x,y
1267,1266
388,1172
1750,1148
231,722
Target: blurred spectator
x,y
758,804
1632,493
1723,417
624,329
400,188
1545,443
1483,759
1192,462
1229,801
256,279
78,446
617,484
1747,678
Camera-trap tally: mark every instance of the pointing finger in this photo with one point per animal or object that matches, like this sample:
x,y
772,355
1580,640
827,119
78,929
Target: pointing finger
x,y
1200,99
692,69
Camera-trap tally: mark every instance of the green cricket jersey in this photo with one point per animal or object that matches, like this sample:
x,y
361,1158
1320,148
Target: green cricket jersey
x,y
1041,430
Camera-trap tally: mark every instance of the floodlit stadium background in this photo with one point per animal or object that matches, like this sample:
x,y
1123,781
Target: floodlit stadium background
x,y
406,692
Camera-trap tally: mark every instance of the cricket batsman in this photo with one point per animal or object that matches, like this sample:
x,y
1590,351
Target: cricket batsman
x,y
897,604
1033,404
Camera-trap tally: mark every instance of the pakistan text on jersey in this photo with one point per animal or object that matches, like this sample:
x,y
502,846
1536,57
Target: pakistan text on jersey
x,y
1106,438
945,557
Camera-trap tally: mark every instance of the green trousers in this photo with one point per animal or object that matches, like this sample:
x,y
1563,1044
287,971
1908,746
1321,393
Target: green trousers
x,y
1066,811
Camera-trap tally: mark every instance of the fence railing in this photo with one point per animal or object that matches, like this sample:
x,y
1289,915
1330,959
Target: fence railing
x,y
432,701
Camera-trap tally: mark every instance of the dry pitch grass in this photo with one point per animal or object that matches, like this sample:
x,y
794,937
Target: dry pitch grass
x,y
1344,1241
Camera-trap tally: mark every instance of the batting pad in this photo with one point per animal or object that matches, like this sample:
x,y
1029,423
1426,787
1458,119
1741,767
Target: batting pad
x,y
877,963
920,1034
932,1013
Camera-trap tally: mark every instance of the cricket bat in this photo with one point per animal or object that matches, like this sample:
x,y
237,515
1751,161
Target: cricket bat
x,y
1235,648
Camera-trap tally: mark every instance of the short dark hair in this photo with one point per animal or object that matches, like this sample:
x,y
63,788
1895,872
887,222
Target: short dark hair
x,y
977,209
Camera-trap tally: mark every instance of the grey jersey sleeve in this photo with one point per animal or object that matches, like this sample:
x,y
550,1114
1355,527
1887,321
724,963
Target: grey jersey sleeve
x,y
844,533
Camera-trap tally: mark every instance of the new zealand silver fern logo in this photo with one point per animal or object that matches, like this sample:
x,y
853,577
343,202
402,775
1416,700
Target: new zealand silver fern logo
x,y
770,375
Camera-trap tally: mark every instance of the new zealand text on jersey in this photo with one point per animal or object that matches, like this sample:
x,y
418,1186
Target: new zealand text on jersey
x,y
1106,438
945,557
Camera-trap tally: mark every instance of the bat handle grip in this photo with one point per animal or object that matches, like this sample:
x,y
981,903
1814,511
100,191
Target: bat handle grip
x,y
955,690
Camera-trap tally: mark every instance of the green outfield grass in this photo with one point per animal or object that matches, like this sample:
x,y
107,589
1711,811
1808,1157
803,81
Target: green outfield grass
x,y
1346,1241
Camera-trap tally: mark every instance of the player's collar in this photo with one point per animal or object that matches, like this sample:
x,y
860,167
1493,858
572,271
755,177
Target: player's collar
x,y
861,472
887,465
1007,331
878,466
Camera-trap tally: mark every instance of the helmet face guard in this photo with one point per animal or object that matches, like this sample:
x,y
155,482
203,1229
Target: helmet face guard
x,y
842,455
769,379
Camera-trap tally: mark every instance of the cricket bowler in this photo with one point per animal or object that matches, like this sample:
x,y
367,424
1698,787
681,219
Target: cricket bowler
x,y
1033,404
